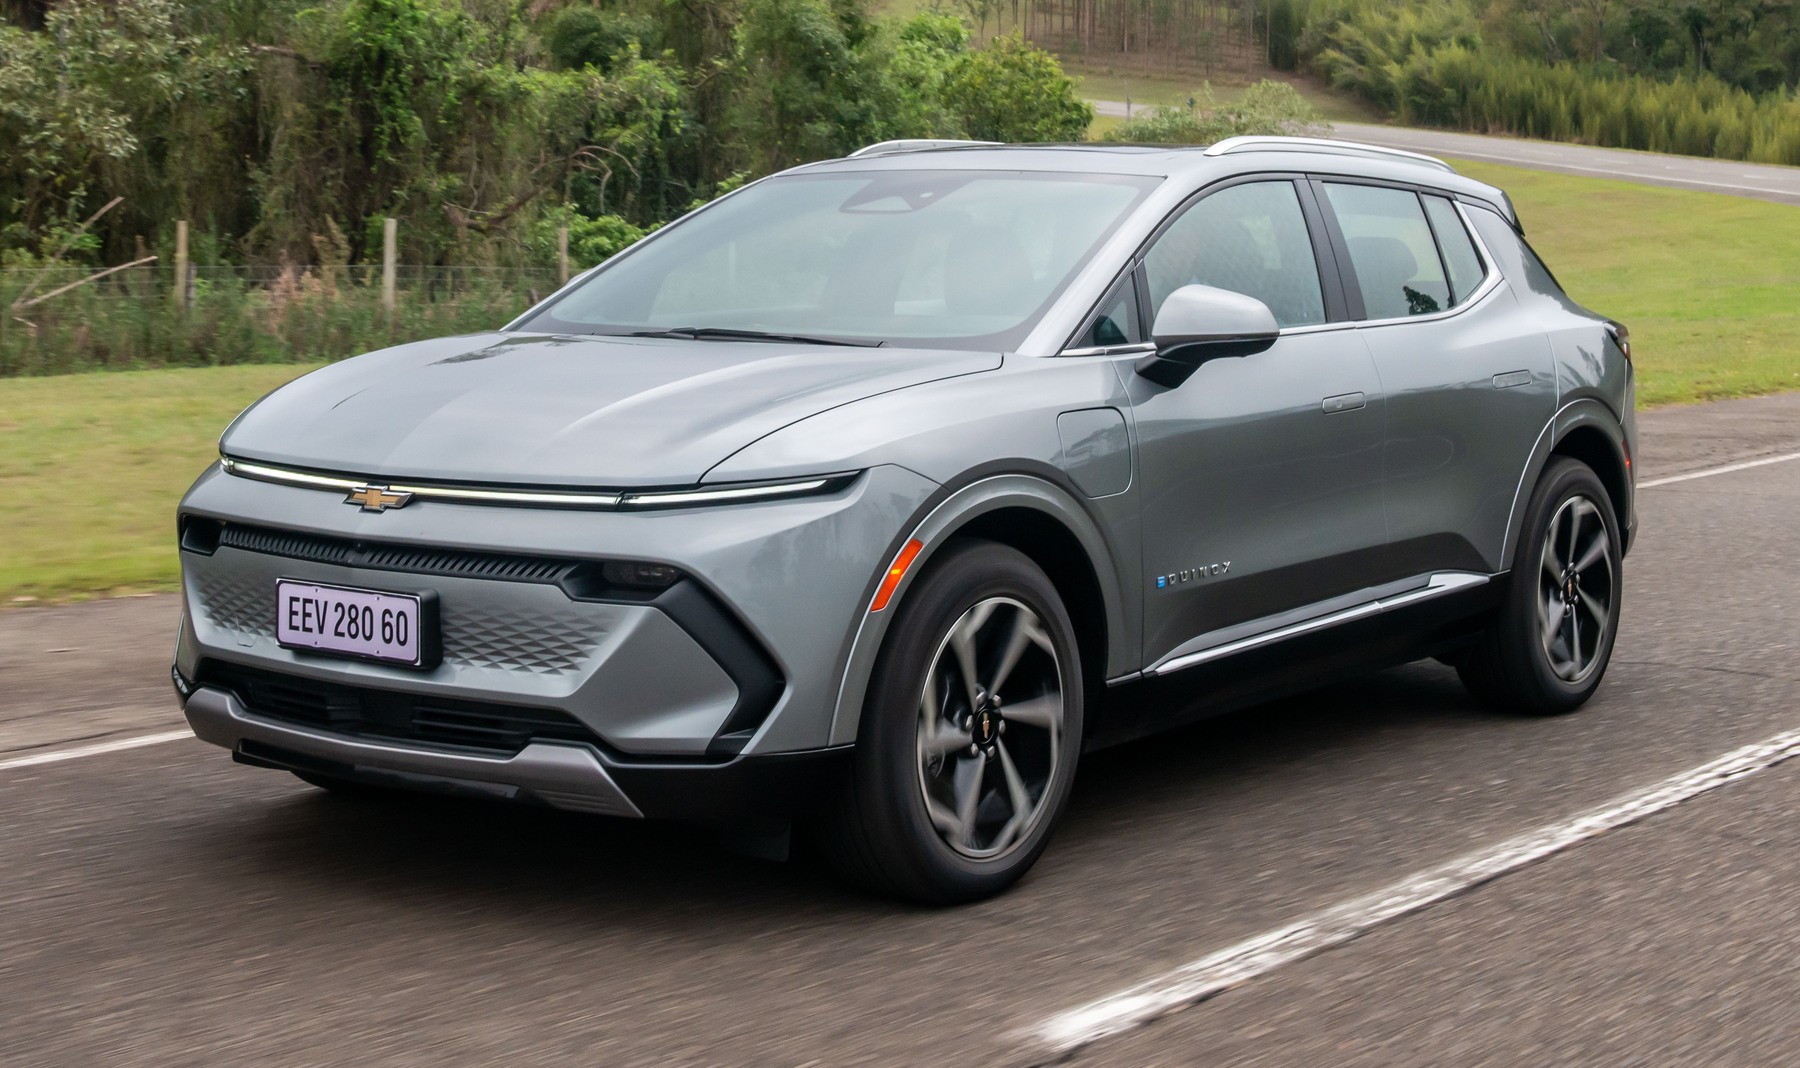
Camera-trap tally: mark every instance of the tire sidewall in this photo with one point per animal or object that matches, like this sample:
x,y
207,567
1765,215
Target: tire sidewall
x,y
963,576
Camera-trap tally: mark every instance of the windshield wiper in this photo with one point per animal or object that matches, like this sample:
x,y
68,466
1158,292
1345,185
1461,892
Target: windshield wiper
x,y
724,333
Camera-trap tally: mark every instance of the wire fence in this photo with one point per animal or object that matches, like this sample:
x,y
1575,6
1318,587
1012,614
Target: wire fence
x,y
54,322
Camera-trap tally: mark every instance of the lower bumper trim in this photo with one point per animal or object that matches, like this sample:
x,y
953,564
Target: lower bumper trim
x,y
565,776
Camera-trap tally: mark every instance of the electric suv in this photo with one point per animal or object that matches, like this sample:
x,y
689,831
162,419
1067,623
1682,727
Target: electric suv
x,y
868,497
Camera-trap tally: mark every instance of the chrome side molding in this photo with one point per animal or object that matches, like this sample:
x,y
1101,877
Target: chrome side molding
x,y
1437,586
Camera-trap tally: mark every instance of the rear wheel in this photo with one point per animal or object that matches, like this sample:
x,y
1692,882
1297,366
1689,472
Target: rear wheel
x,y
1548,645
969,736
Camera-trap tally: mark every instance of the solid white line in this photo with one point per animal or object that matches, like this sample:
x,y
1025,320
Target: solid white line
x,y
1728,468
116,745
1338,924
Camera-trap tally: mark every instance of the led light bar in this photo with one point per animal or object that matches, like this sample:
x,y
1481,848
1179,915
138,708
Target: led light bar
x,y
631,500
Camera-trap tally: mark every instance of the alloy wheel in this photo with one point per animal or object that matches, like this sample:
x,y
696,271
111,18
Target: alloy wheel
x,y
1577,589
991,728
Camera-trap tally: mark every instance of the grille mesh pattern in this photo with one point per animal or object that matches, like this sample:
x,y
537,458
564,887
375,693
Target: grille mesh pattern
x,y
539,640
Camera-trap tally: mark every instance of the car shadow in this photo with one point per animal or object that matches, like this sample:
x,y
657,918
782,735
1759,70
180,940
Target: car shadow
x,y
457,854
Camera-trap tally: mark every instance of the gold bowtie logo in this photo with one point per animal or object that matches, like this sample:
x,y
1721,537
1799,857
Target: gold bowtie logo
x,y
377,498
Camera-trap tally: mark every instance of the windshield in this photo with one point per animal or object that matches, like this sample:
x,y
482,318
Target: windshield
x,y
920,258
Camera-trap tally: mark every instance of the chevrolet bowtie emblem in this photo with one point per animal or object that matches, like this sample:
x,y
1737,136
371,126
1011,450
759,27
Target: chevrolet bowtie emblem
x,y
377,498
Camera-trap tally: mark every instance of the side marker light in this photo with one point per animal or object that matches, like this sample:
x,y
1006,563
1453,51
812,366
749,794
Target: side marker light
x,y
895,573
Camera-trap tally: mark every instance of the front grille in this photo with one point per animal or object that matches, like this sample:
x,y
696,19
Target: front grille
x,y
386,715
544,635
388,557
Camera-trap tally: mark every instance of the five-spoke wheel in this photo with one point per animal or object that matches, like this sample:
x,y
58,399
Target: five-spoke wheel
x,y
969,734
1552,635
1575,597
990,727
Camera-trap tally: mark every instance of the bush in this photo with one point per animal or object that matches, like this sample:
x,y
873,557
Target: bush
x,y
1268,107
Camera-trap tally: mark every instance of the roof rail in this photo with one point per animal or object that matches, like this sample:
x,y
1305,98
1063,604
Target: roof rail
x,y
915,144
1257,143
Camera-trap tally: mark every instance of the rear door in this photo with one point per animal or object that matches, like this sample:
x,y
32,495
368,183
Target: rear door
x,y
1468,376
1260,474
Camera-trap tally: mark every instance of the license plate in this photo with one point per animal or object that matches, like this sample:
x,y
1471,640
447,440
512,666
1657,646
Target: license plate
x,y
392,628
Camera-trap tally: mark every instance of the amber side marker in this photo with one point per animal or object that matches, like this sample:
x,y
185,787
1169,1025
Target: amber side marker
x,y
895,573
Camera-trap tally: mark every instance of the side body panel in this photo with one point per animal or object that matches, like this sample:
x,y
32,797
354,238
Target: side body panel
x,y
1258,496
1468,395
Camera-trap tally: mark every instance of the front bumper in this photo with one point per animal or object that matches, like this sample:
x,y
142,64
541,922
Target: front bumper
x,y
574,777
743,656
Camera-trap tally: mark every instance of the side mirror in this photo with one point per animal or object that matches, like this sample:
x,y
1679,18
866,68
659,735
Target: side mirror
x,y
1200,323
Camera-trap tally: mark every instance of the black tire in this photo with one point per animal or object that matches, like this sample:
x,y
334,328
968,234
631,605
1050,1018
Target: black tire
x,y
891,827
1534,658
349,788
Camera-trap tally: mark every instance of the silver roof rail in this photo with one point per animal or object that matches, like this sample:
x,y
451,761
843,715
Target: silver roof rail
x,y
915,144
1256,143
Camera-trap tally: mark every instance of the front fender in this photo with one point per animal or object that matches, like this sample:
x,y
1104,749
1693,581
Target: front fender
x,y
935,526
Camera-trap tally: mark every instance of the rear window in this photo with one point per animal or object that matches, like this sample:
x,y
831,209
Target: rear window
x,y
1461,260
1392,251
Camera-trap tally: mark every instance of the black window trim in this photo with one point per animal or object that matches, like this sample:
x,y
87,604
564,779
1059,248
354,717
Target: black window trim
x,y
1128,276
1320,266
1490,281
1438,240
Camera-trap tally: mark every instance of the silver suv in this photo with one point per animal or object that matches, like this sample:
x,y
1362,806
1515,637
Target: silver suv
x,y
873,494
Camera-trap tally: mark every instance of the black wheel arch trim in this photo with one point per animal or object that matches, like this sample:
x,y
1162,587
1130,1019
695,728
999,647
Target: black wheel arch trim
x,y
991,487
1587,418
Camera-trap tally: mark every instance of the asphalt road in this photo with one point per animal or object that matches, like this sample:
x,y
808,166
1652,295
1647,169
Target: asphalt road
x,y
164,906
1759,180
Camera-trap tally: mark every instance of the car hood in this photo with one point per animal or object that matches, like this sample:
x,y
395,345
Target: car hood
x,y
567,411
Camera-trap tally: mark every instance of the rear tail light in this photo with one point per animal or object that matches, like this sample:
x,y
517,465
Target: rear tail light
x,y
1621,335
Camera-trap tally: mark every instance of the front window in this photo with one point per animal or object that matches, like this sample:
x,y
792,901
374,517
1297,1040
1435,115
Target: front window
x,y
923,258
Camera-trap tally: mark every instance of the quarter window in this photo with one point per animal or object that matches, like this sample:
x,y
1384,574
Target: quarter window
x,y
1391,250
1250,239
1460,257
1116,323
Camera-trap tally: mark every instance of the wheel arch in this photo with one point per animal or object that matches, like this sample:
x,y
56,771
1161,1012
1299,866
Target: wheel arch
x,y
1587,431
1039,518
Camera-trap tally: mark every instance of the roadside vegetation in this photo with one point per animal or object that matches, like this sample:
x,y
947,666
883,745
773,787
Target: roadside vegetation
x,y
1711,79
91,465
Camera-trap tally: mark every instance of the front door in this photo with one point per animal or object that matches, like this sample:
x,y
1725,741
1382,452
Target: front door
x,y
1262,474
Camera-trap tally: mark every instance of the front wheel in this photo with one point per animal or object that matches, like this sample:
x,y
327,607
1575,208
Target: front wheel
x,y
1552,637
970,733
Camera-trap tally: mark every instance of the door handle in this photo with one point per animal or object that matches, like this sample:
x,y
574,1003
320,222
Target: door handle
x,y
1343,402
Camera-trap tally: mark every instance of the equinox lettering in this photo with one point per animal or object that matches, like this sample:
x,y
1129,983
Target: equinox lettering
x,y
1176,578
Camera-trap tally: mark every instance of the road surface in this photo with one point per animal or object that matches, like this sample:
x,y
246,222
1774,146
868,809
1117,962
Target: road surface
x,y
1758,180
160,905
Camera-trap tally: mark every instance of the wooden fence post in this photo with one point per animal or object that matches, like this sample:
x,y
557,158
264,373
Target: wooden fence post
x,y
389,230
181,264
562,255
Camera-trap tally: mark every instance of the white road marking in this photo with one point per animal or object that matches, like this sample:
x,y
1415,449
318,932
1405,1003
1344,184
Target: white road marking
x,y
1728,468
52,756
1068,1031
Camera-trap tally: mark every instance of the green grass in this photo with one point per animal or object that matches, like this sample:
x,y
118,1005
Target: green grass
x,y
91,468
91,465
1709,284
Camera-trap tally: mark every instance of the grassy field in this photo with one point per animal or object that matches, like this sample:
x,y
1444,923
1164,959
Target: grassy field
x,y
91,465
1709,284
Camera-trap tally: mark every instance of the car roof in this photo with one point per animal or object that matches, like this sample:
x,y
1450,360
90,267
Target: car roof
x,y
1192,165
